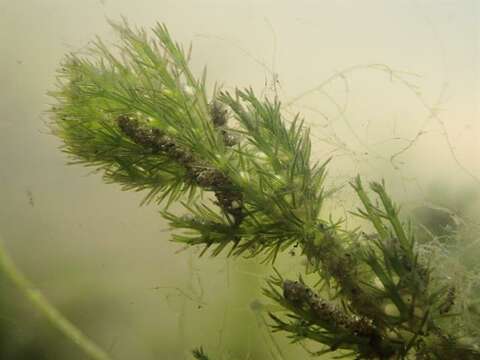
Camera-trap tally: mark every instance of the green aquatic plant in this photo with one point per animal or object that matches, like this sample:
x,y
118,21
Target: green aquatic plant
x,y
199,354
250,187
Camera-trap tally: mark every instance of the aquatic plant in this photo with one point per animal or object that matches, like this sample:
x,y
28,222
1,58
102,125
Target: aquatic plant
x,y
245,176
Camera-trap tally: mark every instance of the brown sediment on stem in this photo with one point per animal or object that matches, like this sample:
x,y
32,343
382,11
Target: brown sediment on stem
x,y
198,172
219,117
298,294
327,315
337,262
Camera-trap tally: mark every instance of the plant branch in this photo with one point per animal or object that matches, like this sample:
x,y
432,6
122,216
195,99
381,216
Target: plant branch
x,y
41,304
144,119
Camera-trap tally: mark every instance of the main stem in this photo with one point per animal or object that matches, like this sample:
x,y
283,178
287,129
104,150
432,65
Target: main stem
x,y
41,303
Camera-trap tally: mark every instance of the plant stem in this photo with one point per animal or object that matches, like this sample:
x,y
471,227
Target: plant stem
x,y
41,303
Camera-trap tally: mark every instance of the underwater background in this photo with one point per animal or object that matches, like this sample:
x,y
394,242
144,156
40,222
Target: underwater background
x,y
390,89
